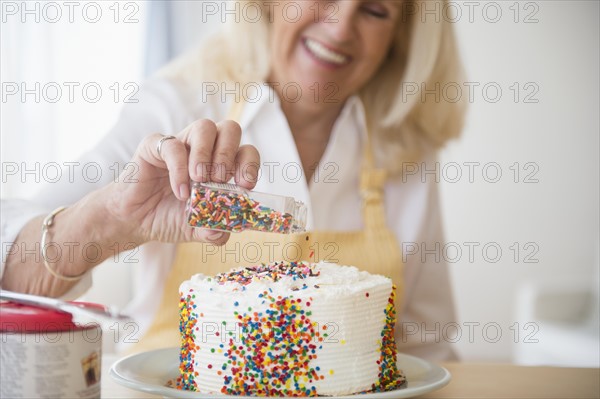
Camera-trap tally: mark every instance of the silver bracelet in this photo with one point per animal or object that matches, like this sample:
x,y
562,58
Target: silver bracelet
x,y
45,228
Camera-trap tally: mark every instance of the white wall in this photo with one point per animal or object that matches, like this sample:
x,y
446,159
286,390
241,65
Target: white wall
x,y
559,134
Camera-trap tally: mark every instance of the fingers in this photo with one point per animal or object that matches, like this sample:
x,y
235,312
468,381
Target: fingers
x,y
225,151
206,151
201,137
216,155
173,155
213,149
247,163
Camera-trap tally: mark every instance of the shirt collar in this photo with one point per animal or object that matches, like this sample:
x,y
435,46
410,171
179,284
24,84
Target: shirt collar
x,y
261,96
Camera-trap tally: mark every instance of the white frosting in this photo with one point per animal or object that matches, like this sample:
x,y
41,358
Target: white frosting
x,y
348,305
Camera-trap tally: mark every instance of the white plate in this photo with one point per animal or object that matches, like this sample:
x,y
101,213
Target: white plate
x,y
150,371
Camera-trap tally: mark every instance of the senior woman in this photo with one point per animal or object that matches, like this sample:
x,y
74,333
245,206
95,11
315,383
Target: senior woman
x,y
326,92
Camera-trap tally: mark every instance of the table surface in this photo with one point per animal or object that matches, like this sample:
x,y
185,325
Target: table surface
x,y
469,380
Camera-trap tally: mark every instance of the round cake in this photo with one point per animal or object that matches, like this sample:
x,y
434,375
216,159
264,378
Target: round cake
x,y
288,329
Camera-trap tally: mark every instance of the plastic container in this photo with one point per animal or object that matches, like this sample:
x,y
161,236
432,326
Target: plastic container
x,y
45,355
228,207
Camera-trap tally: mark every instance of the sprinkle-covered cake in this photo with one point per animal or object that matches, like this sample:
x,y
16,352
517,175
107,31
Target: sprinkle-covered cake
x,y
288,329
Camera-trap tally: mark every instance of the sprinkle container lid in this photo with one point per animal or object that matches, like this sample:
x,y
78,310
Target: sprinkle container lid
x,y
18,318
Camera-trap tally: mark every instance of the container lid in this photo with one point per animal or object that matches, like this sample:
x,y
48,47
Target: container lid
x,y
18,318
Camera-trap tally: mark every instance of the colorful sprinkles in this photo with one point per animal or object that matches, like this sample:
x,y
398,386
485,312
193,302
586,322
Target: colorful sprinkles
x,y
276,349
390,378
187,323
228,210
269,272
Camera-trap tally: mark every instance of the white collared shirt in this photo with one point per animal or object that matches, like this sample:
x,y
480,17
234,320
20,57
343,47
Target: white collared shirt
x,y
332,198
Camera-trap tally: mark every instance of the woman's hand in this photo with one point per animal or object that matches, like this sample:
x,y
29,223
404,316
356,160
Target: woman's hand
x,y
152,208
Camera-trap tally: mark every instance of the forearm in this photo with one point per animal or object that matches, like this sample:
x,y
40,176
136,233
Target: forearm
x,y
81,237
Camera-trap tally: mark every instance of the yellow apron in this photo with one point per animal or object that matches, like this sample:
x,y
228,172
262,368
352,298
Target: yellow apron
x,y
374,249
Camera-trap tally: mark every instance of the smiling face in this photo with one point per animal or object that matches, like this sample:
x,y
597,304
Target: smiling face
x,y
337,45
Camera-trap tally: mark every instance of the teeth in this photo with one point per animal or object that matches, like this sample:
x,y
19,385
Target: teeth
x,y
324,53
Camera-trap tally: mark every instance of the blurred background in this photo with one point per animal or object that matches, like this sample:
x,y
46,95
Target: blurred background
x,y
520,189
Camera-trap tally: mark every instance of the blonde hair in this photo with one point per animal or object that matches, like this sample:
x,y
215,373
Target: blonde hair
x,y
404,124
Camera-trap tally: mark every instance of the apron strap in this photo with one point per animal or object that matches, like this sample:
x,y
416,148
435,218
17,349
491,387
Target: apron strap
x,y
235,112
372,184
